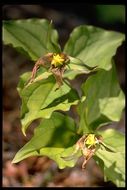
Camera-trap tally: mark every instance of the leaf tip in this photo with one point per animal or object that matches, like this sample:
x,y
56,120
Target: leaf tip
x,y
14,161
24,132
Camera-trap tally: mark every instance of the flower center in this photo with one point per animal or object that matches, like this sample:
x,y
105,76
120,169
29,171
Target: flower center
x,y
91,140
57,60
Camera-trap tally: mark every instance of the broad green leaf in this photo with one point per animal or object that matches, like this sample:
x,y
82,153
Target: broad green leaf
x,y
76,67
113,162
113,139
55,138
34,37
40,98
104,100
93,45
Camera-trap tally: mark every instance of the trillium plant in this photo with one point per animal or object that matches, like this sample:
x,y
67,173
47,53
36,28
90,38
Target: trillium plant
x,y
47,94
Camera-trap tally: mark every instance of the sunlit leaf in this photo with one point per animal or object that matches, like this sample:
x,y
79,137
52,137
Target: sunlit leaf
x,y
104,100
40,98
76,67
114,162
93,45
33,37
55,138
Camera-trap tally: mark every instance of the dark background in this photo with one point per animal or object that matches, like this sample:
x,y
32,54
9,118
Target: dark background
x,y
39,172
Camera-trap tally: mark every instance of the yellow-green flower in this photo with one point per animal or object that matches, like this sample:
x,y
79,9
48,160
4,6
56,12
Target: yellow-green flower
x,y
91,140
57,60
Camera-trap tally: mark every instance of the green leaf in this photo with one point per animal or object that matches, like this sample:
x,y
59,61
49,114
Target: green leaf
x,y
55,138
93,45
114,162
40,98
113,139
34,37
76,67
104,100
